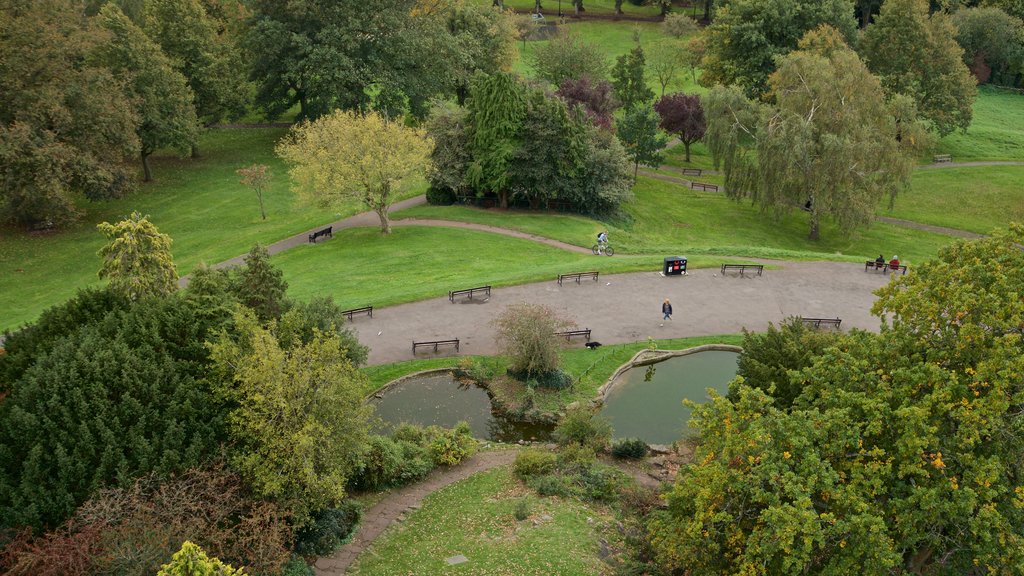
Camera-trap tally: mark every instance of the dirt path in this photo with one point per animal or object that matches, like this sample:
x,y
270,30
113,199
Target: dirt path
x,y
929,228
969,164
402,501
491,229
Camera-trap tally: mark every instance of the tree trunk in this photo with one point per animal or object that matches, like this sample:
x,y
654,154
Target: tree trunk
x,y
536,7
498,4
195,150
636,170
385,222
578,7
815,224
503,200
707,10
686,146
263,213
146,171
618,6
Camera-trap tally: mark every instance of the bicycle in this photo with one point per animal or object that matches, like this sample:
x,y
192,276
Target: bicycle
x,y
606,249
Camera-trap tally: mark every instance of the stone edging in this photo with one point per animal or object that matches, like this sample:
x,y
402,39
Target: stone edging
x,y
648,356
387,387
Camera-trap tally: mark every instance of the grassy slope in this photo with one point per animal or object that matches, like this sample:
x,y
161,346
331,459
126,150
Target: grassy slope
x,y
996,131
976,199
475,517
590,7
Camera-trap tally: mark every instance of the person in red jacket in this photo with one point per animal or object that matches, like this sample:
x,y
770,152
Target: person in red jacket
x,y
894,264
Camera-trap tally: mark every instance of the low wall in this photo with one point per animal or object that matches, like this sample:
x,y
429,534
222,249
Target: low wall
x,y
646,357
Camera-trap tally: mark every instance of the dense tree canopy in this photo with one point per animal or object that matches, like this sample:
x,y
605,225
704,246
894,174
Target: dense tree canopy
x,y
993,43
569,57
682,115
638,132
496,111
629,81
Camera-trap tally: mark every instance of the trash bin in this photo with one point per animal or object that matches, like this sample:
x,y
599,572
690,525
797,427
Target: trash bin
x,y
675,265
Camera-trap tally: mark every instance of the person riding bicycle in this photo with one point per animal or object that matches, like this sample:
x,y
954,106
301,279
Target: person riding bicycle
x,y
602,239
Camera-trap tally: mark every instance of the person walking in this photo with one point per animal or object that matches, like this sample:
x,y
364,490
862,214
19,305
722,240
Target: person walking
x,y
666,311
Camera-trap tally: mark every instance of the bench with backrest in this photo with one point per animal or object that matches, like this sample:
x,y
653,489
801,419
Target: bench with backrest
x,y
435,344
942,158
320,233
577,276
692,171
703,186
364,310
884,267
469,292
743,268
821,322
570,333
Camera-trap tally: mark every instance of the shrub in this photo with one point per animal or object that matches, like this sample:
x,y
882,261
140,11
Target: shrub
x,y
629,448
600,483
638,500
328,530
522,510
531,462
476,370
450,447
296,567
526,333
550,485
581,426
389,462
406,432
554,380
437,196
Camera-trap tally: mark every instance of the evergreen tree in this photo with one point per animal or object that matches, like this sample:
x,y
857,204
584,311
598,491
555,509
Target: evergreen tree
x,y
639,134
631,88
260,286
137,258
497,109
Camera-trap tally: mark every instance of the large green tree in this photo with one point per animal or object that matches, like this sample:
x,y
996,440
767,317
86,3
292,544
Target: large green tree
x,y
163,101
569,57
829,145
639,134
66,125
628,78
993,43
137,258
497,109
747,36
916,54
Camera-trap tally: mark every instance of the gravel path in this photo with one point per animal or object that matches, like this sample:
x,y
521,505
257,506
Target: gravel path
x,y
402,501
491,229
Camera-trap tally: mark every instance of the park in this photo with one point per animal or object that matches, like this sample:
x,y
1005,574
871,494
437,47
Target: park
x,y
481,287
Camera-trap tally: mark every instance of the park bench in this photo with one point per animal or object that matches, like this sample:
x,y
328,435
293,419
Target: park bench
x,y
577,276
820,322
742,268
319,233
435,344
692,171
570,333
364,310
884,267
941,158
469,291
703,186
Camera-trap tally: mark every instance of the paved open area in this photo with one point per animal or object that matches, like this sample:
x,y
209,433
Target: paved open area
x,y
627,307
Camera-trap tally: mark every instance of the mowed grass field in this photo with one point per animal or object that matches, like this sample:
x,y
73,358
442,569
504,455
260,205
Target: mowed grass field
x,y
977,198
996,131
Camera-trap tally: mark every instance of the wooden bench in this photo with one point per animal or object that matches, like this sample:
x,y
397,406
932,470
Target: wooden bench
x,y
942,158
692,171
364,310
320,233
819,322
884,267
743,268
570,333
577,276
435,344
469,291
703,186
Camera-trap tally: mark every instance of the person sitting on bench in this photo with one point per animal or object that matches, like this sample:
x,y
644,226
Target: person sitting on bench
x,y
879,262
894,264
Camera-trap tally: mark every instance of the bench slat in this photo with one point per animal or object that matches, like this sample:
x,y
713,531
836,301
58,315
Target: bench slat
x,y
570,333
435,344
365,309
578,276
470,291
743,268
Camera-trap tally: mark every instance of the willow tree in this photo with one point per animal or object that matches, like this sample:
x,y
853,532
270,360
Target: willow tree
x,y
346,156
829,145
497,109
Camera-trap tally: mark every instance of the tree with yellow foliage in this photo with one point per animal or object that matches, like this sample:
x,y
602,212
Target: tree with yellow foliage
x,y
347,156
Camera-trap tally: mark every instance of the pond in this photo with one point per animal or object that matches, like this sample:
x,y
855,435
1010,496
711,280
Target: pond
x,y
441,399
647,401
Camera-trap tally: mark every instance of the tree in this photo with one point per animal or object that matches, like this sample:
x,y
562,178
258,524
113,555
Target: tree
x,y
595,98
192,561
496,111
679,26
137,258
667,59
605,181
682,116
260,286
526,333
65,126
163,100
747,36
694,54
917,55
993,43
631,88
639,134
348,156
1014,8
299,418
256,177
486,41
450,157
569,57
551,152
829,145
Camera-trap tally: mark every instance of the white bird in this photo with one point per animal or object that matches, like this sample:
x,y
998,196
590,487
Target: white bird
x,y
379,333
608,284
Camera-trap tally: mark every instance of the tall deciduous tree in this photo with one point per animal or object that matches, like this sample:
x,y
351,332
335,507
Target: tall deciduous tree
x,y
667,59
679,26
137,258
638,132
595,98
497,109
66,125
830,145
569,57
993,43
300,420
917,55
526,333
551,152
747,36
162,98
683,116
631,87
347,156
485,40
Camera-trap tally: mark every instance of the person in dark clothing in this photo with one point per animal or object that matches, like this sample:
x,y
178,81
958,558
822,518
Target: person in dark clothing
x,y
666,311
880,262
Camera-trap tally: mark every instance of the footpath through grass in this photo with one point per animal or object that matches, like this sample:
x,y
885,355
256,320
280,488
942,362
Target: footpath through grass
x,y
976,198
476,518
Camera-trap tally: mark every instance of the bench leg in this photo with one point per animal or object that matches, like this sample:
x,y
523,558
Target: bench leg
x,y
435,347
456,346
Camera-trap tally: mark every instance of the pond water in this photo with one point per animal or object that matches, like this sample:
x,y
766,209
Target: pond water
x,y
647,401
442,400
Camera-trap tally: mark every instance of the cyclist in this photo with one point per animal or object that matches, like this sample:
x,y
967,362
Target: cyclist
x,y
602,240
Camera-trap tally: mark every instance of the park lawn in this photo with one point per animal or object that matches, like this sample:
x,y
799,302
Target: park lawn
x,y
602,7
978,198
996,131
700,157
199,203
475,517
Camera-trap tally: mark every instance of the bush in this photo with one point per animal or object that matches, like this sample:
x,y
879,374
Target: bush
x,y
581,426
450,447
475,369
526,333
437,196
550,485
328,530
531,462
600,483
296,567
638,500
522,511
634,448
554,380
575,459
389,462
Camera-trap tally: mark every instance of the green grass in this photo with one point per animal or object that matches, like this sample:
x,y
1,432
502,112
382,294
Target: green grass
x,y
976,198
380,375
590,7
475,517
996,131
